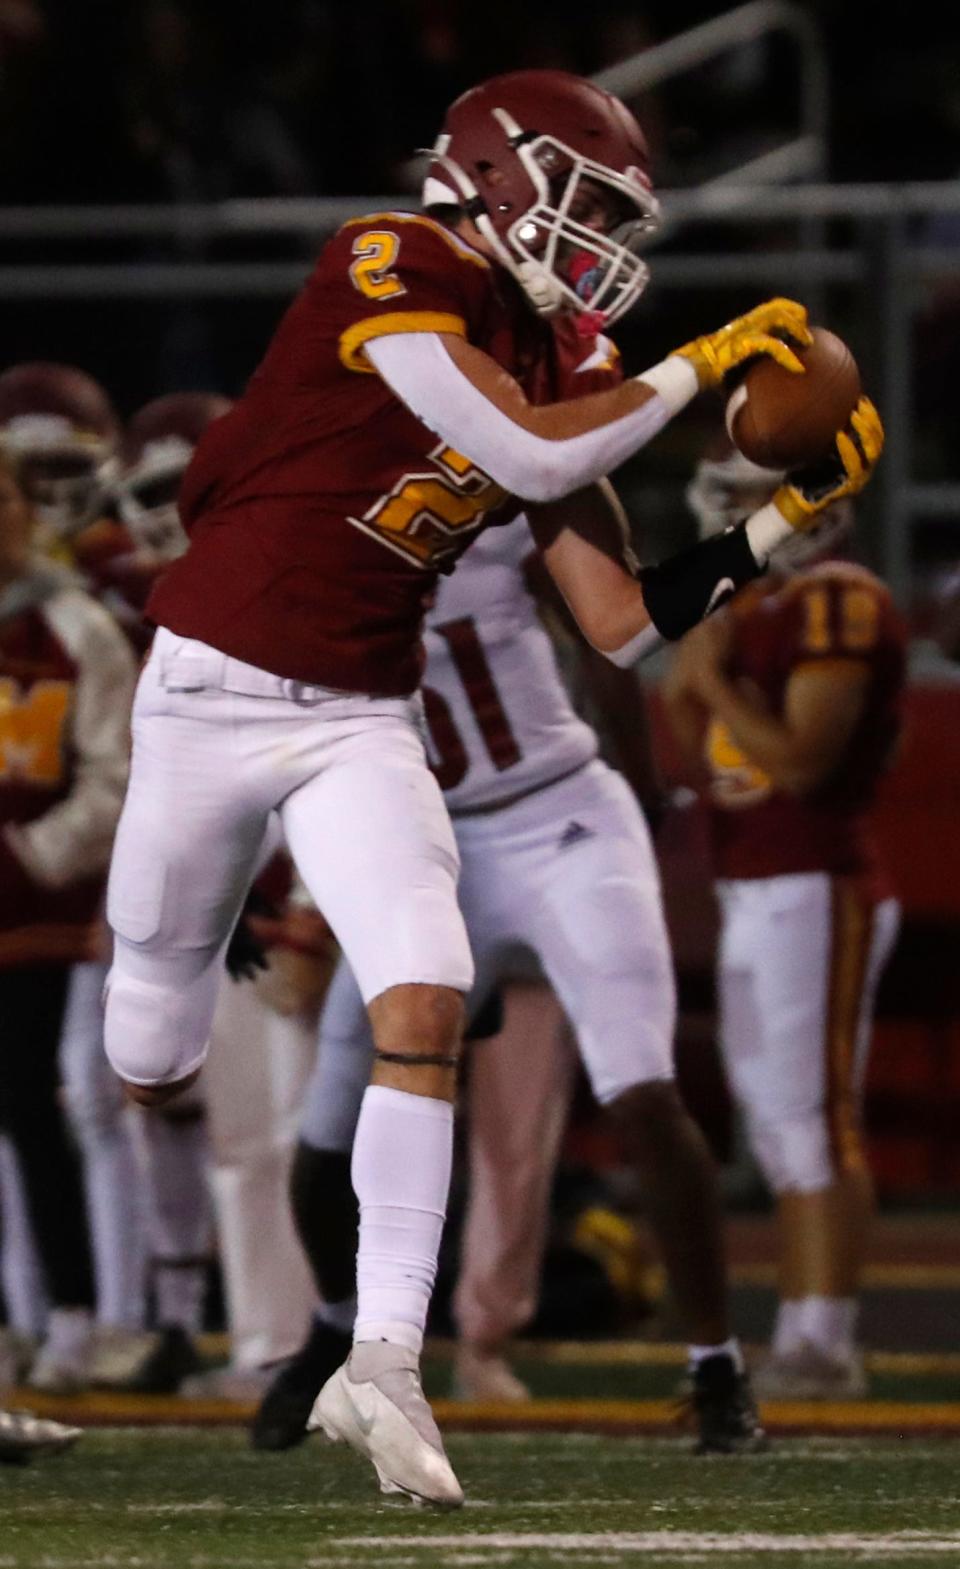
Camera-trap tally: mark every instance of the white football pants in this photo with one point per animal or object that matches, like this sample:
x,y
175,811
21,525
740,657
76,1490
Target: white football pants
x,y
799,961
117,1199
217,746
255,1079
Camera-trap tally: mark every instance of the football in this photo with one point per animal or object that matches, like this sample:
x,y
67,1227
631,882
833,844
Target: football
x,y
784,421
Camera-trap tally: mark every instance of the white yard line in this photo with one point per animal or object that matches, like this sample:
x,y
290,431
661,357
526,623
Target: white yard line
x,y
594,1549
673,1543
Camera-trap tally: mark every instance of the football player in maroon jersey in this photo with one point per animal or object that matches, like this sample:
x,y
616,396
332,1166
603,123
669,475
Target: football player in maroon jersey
x,y
791,699
122,557
66,682
61,429
422,387
157,447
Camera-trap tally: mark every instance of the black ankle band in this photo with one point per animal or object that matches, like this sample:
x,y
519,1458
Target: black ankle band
x,y
417,1059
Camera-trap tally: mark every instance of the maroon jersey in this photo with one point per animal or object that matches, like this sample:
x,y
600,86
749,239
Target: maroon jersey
x,y
320,509
834,612
38,677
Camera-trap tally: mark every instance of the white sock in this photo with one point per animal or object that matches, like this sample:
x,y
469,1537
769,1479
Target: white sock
x,y
21,1272
175,1155
829,1322
180,1292
788,1329
338,1315
69,1331
116,1213
402,1155
728,1348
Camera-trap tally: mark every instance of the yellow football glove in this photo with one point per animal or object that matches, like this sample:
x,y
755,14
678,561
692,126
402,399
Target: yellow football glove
x,y
714,356
809,492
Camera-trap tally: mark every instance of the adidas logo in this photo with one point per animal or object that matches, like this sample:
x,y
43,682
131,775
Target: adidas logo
x,y
573,834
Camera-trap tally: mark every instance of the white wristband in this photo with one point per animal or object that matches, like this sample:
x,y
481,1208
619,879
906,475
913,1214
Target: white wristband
x,y
644,642
674,380
767,529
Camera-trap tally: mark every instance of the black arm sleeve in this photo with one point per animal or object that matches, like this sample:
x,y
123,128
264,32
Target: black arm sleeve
x,y
685,588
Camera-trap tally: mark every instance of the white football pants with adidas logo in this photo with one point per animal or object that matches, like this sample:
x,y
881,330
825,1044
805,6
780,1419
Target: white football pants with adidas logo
x,y
569,872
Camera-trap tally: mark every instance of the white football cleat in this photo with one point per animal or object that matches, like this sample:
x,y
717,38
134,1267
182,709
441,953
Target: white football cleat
x,y
384,1415
810,1372
22,1436
118,1353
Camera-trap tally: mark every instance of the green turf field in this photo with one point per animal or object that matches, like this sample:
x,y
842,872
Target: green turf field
x,y
188,1499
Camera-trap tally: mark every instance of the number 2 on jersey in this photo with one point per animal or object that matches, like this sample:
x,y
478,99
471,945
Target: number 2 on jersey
x,y
376,252
467,653
425,517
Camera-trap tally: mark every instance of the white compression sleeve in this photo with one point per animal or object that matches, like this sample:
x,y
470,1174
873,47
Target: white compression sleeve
x,y
767,529
417,367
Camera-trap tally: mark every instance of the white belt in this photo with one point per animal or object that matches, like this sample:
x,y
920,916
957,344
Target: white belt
x,y
194,667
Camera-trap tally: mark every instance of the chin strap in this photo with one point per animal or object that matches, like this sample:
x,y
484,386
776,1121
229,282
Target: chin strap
x,y
539,286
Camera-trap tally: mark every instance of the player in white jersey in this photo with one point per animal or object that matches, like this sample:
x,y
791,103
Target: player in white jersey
x,y
556,854
486,647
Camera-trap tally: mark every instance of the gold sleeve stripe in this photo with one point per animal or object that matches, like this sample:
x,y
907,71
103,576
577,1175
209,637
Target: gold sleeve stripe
x,y
389,219
361,332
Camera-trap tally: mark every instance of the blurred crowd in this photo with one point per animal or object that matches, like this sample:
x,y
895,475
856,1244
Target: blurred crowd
x,y
195,100
179,101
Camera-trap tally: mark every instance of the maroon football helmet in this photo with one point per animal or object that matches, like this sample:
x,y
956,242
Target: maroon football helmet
x,y
59,426
525,156
157,447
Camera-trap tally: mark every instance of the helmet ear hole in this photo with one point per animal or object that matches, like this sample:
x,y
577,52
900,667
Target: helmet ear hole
x,y
489,175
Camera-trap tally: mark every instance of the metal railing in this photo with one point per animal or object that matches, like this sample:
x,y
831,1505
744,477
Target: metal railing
x,y
805,157
802,157
882,256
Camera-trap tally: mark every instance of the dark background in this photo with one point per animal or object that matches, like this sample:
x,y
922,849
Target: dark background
x,y
199,100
